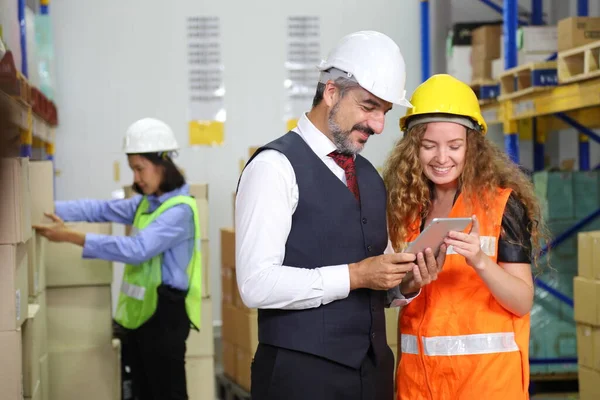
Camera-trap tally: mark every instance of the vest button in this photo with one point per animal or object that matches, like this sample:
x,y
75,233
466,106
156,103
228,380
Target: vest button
x,y
364,220
373,335
370,248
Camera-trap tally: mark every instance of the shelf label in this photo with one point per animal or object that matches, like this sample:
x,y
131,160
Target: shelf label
x,y
523,107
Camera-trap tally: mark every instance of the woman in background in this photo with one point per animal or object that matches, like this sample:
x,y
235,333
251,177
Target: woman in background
x,y
161,292
466,335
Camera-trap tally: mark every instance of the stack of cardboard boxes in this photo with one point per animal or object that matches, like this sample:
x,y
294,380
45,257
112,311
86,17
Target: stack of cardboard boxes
x,y
240,324
35,329
587,314
15,240
200,344
459,49
200,360
485,48
80,333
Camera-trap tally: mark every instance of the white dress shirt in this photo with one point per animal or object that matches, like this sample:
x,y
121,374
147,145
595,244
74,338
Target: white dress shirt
x,y
266,200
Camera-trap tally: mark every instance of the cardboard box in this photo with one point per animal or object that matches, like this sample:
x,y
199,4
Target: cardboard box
x,y
481,68
32,332
246,329
486,42
577,31
537,39
201,344
37,393
237,298
200,376
11,365
588,346
205,249
116,345
228,285
588,254
15,201
229,360
42,318
589,389
41,182
251,151
228,328
461,33
66,267
243,368
228,247
391,325
79,317
87,373
200,192
587,301
14,286
36,257
45,377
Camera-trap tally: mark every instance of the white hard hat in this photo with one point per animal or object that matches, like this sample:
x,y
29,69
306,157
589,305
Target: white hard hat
x,y
375,61
149,135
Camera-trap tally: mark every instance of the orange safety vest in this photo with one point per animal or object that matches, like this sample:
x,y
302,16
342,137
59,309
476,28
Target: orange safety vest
x,y
457,342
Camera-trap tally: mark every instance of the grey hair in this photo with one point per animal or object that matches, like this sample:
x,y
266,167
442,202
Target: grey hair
x,y
342,83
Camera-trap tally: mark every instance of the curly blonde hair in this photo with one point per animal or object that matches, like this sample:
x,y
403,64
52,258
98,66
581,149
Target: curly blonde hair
x,y
486,169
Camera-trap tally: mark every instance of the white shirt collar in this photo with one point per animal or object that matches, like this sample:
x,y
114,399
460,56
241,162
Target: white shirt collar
x,y
316,140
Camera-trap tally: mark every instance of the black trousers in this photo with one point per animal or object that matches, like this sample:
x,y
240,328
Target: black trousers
x,y
279,373
157,350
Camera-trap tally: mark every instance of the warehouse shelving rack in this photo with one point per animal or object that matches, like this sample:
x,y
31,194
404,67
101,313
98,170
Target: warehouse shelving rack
x,y
575,105
31,113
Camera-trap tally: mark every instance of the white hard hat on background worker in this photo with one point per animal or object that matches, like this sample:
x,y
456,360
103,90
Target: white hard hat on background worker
x,y
374,61
149,135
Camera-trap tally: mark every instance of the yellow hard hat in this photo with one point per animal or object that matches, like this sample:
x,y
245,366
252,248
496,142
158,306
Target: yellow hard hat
x,y
444,98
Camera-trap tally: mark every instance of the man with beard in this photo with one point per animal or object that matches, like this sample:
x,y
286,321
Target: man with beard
x,y
311,235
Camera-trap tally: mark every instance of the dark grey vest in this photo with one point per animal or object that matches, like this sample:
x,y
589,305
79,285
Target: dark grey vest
x,y
330,227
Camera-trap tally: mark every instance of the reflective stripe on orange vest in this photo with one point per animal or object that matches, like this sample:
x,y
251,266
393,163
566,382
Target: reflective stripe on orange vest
x,y
483,343
456,341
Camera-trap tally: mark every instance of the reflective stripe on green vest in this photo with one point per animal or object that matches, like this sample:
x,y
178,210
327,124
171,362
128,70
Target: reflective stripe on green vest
x,y
139,297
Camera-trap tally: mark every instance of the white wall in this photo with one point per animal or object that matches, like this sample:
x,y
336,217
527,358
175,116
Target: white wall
x,y
119,61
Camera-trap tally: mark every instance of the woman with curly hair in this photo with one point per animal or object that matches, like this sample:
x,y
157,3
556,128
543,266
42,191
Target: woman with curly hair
x,y
466,335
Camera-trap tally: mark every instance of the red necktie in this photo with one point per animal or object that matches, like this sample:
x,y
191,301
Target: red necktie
x,y
346,162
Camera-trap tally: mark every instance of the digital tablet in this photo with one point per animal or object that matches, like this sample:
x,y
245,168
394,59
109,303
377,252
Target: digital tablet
x,y
434,234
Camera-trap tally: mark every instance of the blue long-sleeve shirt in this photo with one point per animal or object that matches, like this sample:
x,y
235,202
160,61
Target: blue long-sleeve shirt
x,y
171,234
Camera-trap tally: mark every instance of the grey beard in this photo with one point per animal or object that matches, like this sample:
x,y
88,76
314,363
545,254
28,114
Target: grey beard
x,y
341,138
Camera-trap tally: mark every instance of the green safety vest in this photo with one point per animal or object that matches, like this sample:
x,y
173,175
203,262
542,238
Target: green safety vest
x,y
139,297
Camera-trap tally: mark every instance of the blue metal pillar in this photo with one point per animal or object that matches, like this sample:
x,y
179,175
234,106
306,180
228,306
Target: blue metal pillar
x,y
539,141
425,45
584,143
537,12
23,36
511,139
584,153
582,8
